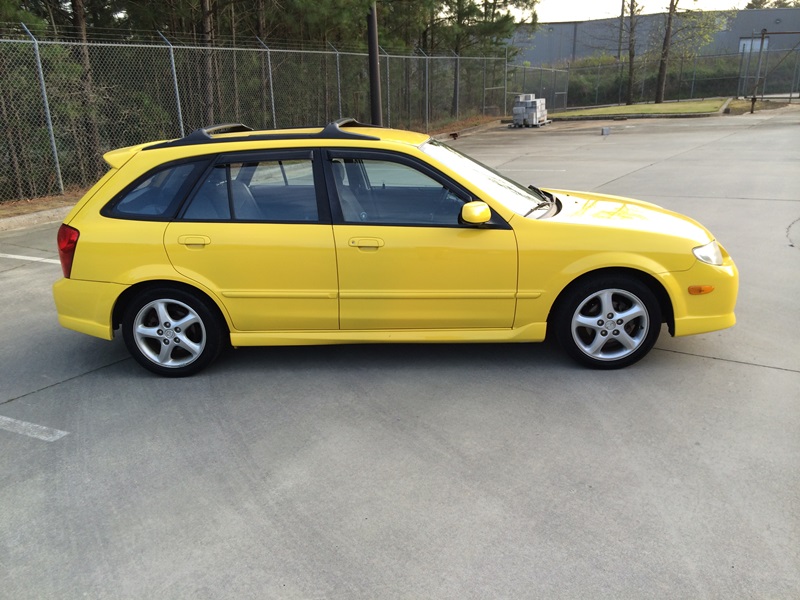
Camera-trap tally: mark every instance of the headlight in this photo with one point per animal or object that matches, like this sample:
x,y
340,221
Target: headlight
x,y
710,253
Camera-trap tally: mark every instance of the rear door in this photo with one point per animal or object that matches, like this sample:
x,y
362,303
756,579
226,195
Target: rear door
x,y
257,233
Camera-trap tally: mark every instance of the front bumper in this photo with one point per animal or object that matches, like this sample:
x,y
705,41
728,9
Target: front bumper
x,y
706,312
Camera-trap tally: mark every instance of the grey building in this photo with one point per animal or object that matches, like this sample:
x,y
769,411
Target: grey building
x,y
559,43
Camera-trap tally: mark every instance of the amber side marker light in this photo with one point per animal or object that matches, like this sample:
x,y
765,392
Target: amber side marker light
x,y
699,290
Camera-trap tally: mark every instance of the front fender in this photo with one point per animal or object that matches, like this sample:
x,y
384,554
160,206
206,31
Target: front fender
x,y
540,285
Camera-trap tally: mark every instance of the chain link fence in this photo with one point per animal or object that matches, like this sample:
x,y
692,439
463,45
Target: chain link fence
x,y
774,74
550,84
63,104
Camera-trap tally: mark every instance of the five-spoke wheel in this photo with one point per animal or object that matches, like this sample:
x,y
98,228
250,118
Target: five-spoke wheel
x,y
608,323
171,332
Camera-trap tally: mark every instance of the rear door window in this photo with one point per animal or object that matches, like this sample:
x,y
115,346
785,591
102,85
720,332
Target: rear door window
x,y
273,190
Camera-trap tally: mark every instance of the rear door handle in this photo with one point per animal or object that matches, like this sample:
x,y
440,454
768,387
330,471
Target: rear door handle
x,y
373,243
194,240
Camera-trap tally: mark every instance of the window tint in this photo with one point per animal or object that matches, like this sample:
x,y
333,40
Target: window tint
x,y
211,202
158,195
383,173
284,173
268,190
388,192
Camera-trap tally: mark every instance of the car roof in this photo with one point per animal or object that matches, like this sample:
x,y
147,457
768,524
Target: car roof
x,y
343,129
347,130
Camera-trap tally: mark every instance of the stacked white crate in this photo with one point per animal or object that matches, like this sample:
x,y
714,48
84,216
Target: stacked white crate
x,y
529,111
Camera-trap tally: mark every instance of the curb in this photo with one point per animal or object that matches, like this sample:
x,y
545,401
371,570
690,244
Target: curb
x,y
635,116
42,217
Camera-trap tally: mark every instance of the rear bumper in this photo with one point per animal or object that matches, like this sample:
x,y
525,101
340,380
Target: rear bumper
x,y
87,306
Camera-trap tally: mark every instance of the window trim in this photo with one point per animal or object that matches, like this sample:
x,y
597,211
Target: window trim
x,y
330,154
109,210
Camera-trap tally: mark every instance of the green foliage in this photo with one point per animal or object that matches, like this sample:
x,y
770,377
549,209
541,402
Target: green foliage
x,y
600,81
103,97
445,26
691,32
12,12
773,4
479,28
601,59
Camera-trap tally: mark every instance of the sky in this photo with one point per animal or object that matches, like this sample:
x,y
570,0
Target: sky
x,y
553,11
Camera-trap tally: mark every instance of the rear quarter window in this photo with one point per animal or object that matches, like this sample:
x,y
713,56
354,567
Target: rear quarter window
x,y
156,195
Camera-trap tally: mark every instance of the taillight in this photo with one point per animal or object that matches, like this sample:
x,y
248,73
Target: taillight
x,y
67,242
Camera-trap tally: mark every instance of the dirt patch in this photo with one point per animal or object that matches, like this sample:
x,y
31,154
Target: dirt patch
x,y
13,208
740,107
462,124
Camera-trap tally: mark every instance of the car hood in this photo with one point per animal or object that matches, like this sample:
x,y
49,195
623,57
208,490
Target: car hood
x,y
615,212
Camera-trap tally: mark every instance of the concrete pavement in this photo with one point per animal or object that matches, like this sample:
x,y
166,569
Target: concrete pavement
x,y
475,471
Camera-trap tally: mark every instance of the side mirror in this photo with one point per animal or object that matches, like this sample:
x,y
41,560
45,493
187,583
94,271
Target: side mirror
x,y
476,213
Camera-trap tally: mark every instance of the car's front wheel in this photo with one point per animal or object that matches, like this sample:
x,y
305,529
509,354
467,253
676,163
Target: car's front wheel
x,y
171,332
608,322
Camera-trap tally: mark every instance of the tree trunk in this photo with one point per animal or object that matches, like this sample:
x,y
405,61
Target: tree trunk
x,y
11,140
87,85
456,84
261,27
661,83
460,18
236,108
207,36
631,52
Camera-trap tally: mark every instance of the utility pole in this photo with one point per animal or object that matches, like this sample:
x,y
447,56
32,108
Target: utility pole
x,y
374,67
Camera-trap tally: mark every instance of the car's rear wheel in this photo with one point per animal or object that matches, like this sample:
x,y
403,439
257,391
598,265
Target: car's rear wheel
x,y
608,322
172,332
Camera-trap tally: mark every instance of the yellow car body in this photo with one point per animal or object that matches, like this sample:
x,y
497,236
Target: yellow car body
x,y
444,253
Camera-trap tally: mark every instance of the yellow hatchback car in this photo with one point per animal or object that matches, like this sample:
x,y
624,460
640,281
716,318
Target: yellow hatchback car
x,y
356,234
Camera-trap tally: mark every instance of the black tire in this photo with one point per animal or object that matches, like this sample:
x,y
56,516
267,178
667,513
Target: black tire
x,y
607,322
172,332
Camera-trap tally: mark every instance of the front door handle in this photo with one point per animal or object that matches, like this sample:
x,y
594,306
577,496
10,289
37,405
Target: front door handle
x,y
370,243
194,241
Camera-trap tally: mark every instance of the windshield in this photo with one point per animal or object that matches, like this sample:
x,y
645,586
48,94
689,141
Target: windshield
x,y
523,201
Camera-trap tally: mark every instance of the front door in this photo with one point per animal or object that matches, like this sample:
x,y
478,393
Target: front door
x,y
404,260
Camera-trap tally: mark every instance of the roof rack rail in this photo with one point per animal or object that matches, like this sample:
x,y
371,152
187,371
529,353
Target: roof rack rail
x,y
350,122
205,132
332,131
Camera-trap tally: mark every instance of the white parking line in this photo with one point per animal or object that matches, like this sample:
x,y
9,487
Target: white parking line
x,y
40,432
31,258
